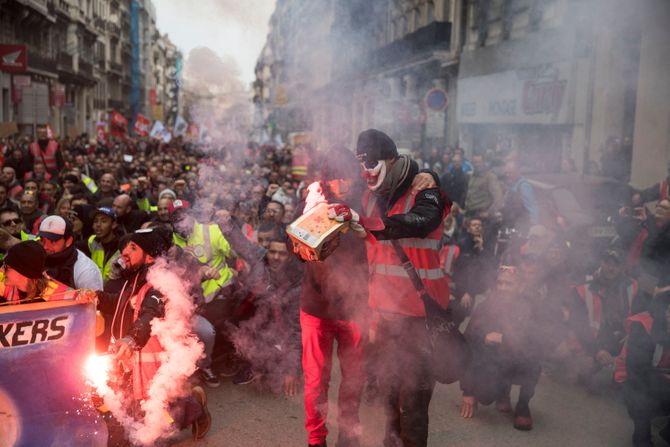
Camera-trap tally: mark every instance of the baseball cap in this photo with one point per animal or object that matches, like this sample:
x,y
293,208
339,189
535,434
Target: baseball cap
x,y
178,204
55,228
107,211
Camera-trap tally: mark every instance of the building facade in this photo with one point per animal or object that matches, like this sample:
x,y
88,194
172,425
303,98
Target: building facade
x,y
558,81
85,59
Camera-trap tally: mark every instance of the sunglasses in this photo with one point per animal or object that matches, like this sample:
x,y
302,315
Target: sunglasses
x,y
11,222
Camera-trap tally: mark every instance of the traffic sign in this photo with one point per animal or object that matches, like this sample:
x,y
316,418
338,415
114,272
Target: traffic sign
x,y
436,99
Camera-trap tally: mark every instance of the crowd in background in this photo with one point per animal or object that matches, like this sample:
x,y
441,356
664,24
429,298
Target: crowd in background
x,y
227,209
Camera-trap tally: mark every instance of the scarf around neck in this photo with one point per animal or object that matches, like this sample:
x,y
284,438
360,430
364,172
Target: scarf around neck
x,y
60,266
394,177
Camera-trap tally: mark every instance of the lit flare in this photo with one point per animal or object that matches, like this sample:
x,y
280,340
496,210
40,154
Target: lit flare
x,y
314,197
97,369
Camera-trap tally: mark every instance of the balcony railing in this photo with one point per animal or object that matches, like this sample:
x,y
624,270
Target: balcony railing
x,y
432,37
65,62
99,104
41,62
436,35
85,68
116,104
114,30
100,23
116,68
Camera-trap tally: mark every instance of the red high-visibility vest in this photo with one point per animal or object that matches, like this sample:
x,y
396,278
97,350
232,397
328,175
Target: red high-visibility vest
x,y
54,291
664,190
594,304
620,372
15,191
390,288
48,157
147,360
448,256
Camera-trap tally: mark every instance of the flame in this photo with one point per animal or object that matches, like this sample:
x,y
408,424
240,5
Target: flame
x,y
97,369
314,196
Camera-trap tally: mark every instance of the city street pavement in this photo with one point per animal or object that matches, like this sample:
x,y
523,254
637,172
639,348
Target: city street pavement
x,y
564,415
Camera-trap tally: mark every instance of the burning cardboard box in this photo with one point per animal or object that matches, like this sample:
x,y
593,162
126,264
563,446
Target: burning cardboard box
x,y
314,230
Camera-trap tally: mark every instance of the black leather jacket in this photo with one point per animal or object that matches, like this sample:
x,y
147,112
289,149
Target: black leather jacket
x,y
424,217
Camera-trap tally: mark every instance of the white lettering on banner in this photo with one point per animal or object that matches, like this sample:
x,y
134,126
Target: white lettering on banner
x,y
20,333
531,95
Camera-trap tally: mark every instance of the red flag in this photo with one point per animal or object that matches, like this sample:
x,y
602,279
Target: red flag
x,y
100,132
142,124
119,125
193,132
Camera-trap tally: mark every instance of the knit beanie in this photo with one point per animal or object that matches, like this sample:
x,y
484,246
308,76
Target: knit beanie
x,y
150,241
168,192
375,145
27,258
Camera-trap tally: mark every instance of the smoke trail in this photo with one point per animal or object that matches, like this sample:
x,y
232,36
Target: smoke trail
x,y
178,361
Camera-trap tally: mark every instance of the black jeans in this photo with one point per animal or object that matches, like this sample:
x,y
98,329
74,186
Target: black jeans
x,y
644,404
492,374
405,379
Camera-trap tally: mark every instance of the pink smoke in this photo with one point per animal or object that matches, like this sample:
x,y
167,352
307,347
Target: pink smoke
x,y
178,362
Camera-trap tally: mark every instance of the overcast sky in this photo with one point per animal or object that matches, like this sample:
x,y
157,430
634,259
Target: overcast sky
x,y
234,29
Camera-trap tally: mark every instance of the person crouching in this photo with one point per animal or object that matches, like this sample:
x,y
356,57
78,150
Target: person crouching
x,y
504,351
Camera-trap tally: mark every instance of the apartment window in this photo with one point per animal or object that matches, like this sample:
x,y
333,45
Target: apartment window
x,y
414,20
401,27
430,11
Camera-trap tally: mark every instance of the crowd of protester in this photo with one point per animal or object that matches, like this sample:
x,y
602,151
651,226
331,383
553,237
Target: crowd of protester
x,y
223,211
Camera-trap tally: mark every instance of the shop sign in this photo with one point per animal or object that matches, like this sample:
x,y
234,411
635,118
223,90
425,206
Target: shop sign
x,y
57,95
536,95
19,82
13,58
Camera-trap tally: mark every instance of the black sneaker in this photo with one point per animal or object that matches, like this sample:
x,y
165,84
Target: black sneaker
x,y
229,370
323,444
202,425
244,377
208,377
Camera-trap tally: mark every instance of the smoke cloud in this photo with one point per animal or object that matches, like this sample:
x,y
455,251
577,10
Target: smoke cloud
x,y
178,363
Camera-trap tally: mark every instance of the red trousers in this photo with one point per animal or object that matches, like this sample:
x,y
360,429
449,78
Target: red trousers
x,y
318,335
